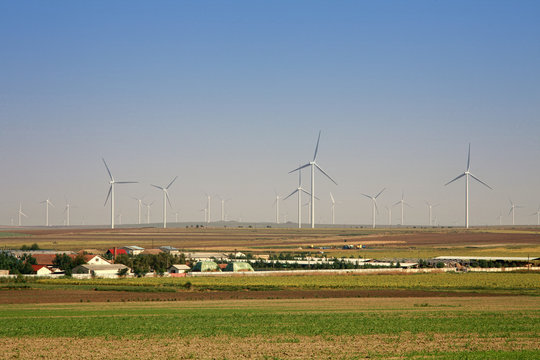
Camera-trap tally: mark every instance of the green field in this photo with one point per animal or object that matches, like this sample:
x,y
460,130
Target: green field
x,y
515,282
498,327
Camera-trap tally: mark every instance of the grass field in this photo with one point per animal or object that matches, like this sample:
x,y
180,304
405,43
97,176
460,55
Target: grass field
x,y
515,283
498,327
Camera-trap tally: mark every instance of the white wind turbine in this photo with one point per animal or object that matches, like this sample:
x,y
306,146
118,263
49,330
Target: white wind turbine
x,y
148,211
467,173
430,206
113,182
21,214
402,202
537,213
374,200
139,206
276,204
47,203
208,203
67,211
299,190
513,208
333,209
223,201
389,209
205,214
313,164
165,199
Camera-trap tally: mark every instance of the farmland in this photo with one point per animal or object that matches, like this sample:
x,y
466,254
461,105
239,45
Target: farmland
x,y
496,327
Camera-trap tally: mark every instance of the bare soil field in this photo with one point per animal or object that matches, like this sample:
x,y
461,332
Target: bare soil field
x,y
268,239
47,296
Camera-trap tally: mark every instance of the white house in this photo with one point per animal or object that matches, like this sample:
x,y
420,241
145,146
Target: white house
x,y
109,270
95,260
41,270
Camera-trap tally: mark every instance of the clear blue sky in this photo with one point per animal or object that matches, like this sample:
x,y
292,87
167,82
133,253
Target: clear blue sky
x,y
230,96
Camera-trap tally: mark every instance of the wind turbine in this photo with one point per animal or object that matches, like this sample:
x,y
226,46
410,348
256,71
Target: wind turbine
x,y
21,214
148,211
139,206
205,214
223,201
430,206
467,173
113,182
67,211
176,216
299,190
333,209
537,213
513,210
314,165
374,200
389,209
208,202
47,203
165,199
402,202
276,203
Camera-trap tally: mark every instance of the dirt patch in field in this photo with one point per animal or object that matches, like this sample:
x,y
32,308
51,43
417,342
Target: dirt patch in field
x,y
258,347
44,296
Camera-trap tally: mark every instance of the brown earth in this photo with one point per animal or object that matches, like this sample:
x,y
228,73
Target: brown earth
x,y
269,239
43,296
259,346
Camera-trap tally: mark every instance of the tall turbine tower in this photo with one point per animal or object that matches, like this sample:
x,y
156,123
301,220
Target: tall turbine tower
x,y
113,182
276,203
374,200
402,202
389,209
430,206
21,214
299,190
47,203
208,203
513,208
165,199
314,165
467,173
67,211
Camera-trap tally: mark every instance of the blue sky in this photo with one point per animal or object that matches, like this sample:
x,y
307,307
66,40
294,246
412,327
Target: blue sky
x,y
230,96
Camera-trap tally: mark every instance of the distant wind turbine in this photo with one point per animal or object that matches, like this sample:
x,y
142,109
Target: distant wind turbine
x,y
512,211
374,201
139,206
208,203
205,214
47,203
313,164
467,173
333,209
276,204
113,182
165,199
430,206
402,202
21,214
148,211
389,209
299,190
537,213
67,211
223,201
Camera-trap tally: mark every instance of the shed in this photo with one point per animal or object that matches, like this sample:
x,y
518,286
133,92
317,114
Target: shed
x,y
178,269
203,266
133,250
239,267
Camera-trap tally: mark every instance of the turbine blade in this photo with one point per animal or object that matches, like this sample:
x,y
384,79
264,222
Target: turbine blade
x,y
469,158
480,181
291,194
399,202
376,196
407,204
332,197
299,168
106,167
126,182
157,187
169,200
306,192
173,180
369,197
451,181
108,194
317,147
325,174
511,209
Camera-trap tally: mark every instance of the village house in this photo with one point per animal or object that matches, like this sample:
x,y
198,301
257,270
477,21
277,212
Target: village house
x,y
41,270
133,250
178,269
106,271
